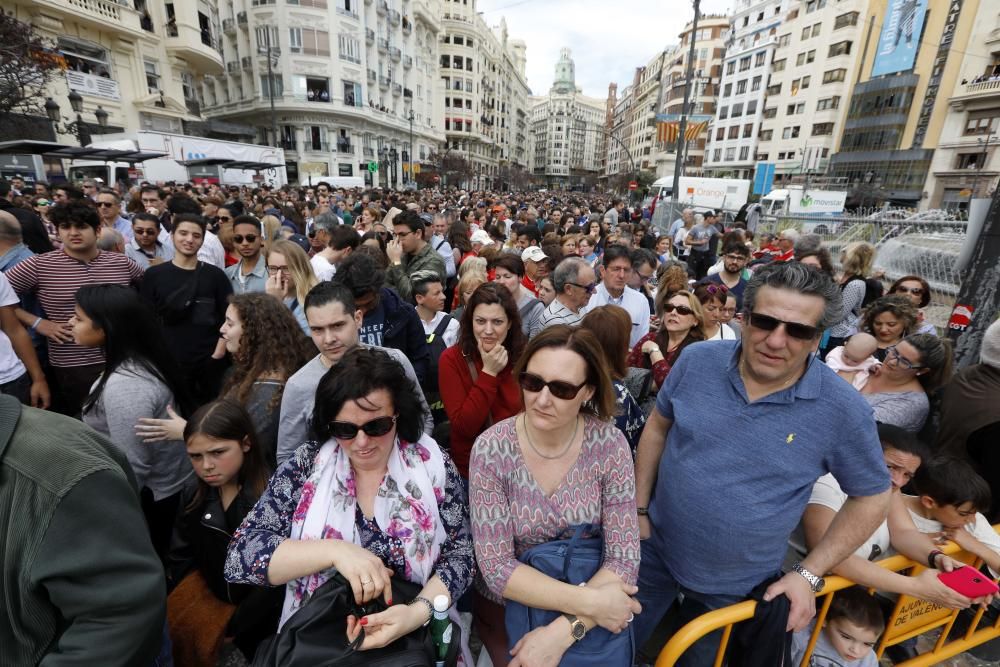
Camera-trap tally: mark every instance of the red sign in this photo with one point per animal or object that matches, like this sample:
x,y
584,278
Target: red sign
x,y
960,317
632,185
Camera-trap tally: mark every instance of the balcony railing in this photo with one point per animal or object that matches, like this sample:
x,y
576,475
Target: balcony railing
x,y
246,62
395,53
288,144
233,67
369,35
368,151
316,147
382,8
988,86
407,62
91,84
397,89
241,19
394,17
372,75
345,147
228,25
383,82
407,93
383,44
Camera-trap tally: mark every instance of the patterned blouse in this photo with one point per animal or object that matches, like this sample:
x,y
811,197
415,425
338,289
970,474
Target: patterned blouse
x,y
511,513
269,524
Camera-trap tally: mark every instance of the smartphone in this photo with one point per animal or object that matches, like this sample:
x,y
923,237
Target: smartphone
x,y
968,581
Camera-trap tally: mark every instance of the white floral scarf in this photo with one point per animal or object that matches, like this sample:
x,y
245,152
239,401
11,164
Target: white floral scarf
x,y
406,508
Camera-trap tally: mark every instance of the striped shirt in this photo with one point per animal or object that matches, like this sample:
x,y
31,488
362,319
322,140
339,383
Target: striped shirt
x,y
54,277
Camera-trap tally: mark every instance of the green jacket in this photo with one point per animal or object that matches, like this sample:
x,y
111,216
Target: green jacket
x,y
426,259
81,584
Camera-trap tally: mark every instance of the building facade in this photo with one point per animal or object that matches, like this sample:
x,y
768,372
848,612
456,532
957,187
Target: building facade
x,y
966,163
141,63
342,84
902,96
567,131
753,37
819,45
483,93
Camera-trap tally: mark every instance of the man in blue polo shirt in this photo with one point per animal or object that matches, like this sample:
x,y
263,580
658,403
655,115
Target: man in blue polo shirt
x,y
718,498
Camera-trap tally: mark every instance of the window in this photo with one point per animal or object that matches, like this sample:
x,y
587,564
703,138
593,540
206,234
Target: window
x,y
828,103
980,125
728,90
805,33
352,94
755,84
343,6
188,87
774,90
748,130
834,75
720,134
263,33
317,43
446,61
734,132
822,129
266,89
741,87
737,110
844,20
759,59
805,58
717,155
770,112
295,40
744,63
816,29
730,154
766,135
723,113
790,132
751,107
744,152
969,160
778,65
762,157
731,67
839,49
152,76
784,40
350,49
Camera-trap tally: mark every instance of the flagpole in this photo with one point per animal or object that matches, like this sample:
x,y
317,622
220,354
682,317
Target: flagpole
x,y
682,130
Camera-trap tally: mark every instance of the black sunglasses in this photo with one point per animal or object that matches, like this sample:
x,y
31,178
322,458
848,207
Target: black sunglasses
x,y
682,310
793,329
558,388
223,218
250,238
373,429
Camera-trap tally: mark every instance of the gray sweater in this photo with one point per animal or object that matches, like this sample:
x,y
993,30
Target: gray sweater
x,y
130,393
300,395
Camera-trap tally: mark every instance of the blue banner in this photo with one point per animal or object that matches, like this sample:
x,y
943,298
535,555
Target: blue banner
x,y
763,178
902,28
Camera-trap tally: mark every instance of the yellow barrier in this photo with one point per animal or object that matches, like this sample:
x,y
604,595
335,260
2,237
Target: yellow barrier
x,y
910,617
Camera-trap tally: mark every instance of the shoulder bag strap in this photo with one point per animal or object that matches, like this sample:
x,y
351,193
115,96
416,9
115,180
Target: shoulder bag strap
x,y
441,328
574,541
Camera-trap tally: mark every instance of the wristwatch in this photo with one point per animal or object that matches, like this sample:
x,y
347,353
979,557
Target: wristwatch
x,y
815,583
576,627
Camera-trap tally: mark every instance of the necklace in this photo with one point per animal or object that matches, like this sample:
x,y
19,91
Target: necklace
x,y
576,425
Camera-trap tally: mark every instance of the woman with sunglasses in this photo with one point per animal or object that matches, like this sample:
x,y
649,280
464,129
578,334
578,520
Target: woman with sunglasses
x,y
45,239
898,390
712,297
290,277
559,463
371,497
889,319
475,376
224,216
681,322
918,292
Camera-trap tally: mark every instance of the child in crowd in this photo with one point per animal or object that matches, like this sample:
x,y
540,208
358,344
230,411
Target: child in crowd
x,y
949,506
852,628
854,360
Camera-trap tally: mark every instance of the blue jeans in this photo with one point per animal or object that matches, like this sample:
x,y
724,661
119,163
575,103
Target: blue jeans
x,y
657,591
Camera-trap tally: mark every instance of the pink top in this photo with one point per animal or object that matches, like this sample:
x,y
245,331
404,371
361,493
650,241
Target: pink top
x,y
511,513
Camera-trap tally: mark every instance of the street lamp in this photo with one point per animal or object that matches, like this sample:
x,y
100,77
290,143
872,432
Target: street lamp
x,y
76,127
412,177
394,160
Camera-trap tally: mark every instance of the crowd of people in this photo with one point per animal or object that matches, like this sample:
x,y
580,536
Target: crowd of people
x,y
215,399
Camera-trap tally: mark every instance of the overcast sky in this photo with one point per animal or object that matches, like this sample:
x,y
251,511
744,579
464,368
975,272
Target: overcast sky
x,y
608,39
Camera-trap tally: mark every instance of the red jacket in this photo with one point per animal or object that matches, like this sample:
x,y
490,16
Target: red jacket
x,y
471,405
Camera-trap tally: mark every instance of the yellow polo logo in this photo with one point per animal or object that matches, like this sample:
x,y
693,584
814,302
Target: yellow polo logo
x,y
788,440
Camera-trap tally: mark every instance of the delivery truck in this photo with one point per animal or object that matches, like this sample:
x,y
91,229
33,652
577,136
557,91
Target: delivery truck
x,y
198,152
698,193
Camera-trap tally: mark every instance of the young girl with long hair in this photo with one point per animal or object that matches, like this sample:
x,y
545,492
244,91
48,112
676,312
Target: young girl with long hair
x,y
290,277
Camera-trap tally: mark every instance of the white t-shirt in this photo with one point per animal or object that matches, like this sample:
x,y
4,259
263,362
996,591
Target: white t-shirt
x,y
450,332
323,269
11,367
827,493
980,529
725,332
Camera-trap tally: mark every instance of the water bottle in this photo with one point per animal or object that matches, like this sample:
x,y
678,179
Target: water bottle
x,y
441,628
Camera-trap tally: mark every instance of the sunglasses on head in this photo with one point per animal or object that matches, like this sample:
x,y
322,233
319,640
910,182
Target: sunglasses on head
x,y
558,388
373,429
793,329
239,238
681,310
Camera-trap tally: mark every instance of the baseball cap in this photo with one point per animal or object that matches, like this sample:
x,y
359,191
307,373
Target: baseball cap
x,y
533,253
481,236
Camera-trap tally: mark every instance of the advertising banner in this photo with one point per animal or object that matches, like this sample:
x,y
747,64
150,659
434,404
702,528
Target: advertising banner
x,y
902,27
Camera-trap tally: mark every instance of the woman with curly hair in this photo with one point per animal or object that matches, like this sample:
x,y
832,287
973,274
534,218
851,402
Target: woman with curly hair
x,y
890,319
267,347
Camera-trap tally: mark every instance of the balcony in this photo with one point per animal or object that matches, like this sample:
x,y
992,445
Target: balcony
x,y
407,93
369,36
105,15
345,147
382,8
193,107
383,82
383,45
397,89
407,62
368,151
407,26
394,17
91,84
979,91
229,26
395,54
288,144
233,67
422,12
316,146
241,20
372,76
246,62
196,46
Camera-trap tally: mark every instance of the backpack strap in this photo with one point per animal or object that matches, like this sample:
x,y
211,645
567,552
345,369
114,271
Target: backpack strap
x,y
526,307
437,248
440,328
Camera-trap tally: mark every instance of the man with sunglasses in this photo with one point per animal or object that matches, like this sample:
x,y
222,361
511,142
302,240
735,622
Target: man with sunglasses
x,y
718,498
250,273
109,208
334,325
574,282
145,247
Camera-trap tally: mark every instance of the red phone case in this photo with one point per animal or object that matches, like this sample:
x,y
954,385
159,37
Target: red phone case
x,y
968,581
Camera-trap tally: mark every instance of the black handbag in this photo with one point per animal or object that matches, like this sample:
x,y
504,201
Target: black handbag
x,y
316,635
